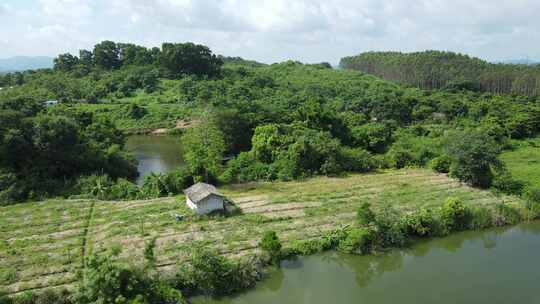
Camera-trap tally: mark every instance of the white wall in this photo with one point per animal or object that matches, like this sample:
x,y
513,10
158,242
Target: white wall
x,y
211,203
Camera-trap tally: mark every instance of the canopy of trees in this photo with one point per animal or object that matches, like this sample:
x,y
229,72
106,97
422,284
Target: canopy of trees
x,y
447,70
264,122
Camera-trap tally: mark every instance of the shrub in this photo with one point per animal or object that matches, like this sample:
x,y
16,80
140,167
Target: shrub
x,y
206,272
306,247
506,184
270,243
106,280
155,185
420,223
49,296
473,157
388,228
455,215
244,168
123,189
178,180
441,164
506,215
97,186
356,160
532,195
481,218
364,215
358,240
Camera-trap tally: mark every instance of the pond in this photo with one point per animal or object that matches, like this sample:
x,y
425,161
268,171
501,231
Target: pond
x,y
158,154
494,266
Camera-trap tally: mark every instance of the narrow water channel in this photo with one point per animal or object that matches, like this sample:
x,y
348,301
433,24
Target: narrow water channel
x,y
158,154
495,266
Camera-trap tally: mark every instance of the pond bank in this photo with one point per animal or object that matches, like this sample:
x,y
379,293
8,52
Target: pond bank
x,y
491,266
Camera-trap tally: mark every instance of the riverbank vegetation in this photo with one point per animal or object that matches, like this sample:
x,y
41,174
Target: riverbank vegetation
x,y
46,243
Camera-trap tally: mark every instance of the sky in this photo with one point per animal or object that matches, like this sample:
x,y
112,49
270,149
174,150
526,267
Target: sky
x,y
276,30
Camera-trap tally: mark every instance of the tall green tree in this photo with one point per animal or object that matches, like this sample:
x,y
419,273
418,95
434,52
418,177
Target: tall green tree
x,y
107,55
204,149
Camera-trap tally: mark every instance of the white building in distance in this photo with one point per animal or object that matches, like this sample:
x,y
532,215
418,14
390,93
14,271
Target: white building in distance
x,y
204,198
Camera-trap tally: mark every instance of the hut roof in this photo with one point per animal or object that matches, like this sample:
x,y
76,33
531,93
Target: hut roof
x,y
200,191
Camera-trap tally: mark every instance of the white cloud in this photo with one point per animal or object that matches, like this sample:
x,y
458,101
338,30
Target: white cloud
x,y
274,30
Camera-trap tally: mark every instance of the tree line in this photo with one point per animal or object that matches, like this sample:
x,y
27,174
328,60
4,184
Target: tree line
x,y
446,70
256,122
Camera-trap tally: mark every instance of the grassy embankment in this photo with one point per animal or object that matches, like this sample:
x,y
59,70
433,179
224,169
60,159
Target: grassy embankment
x,y
524,162
44,243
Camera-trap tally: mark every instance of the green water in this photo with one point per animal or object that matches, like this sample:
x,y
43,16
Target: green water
x,y
158,154
495,266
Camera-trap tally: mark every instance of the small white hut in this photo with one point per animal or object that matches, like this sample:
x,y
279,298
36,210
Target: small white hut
x,y
204,198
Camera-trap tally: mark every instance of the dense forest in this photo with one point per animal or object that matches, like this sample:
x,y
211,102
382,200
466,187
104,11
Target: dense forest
x,y
255,122
442,70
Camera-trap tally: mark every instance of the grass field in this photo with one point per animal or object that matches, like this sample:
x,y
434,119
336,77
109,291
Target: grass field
x,y
524,162
44,244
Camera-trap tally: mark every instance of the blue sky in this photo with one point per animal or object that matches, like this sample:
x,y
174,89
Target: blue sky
x,y
276,30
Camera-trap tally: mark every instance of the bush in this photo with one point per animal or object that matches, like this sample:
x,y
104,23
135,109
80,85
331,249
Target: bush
x,y
123,189
96,186
49,296
455,215
473,157
356,160
155,185
364,215
178,180
420,223
505,183
532,195
506,215
106,280
389,231
481,218
358,240
441,164
270,243
206,272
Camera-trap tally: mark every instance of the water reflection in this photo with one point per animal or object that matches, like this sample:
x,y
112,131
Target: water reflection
x,y
489,267
158,154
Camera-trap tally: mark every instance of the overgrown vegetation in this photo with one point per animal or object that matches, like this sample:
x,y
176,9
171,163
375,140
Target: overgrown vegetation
x,y
271,122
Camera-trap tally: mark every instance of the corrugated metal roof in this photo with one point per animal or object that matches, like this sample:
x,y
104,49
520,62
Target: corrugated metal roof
x,y
200,191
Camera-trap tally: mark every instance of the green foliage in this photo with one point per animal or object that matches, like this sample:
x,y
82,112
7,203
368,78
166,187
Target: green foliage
x,y
481,218
389,230
411,150
356,160
455,215
204,149
270,243
505,183
441,163
206,272
60,296
187,58
106,280
446,70
364,215
420,223
358,240
473,157
155,185
506,215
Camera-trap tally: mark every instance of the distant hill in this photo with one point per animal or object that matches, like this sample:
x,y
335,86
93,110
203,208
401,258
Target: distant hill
x,y
447,70
520,61
22,63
